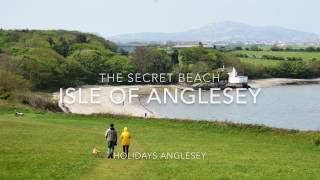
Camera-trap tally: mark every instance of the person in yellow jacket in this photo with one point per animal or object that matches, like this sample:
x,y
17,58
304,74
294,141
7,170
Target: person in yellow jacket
x,y
125,140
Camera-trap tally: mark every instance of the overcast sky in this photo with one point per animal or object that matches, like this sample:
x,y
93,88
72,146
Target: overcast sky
x,y
111,17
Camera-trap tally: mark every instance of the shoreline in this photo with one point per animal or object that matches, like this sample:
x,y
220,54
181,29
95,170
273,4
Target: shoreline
x,y
270,82
220,123
138,109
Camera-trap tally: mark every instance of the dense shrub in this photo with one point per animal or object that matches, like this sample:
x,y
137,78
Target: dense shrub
x,y
41,102
92,62
11,84
237,48
289,49
240,55
255,71
120,64
151,60
272,57
213,59
294,59
285,69
44,68
316,141
255,48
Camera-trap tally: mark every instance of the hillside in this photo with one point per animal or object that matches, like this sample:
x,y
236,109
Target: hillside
x,y
40,39
224,31
54,58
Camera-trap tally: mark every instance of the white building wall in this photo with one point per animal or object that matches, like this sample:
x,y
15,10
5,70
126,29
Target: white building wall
x,y
235,79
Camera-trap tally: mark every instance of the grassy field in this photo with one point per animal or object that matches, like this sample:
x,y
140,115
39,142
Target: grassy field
x,y
306,56
303,55
58,146
262,62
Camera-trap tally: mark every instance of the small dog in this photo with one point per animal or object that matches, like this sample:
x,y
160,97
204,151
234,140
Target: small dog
x,y
96,152
19,114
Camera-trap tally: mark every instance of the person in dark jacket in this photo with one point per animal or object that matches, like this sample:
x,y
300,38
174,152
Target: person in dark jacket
x,y
111,137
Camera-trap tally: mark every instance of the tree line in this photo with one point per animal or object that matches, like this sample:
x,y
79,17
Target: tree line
x,y
48,60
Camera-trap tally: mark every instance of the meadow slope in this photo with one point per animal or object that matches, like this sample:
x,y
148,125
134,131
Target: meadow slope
x,y
58,146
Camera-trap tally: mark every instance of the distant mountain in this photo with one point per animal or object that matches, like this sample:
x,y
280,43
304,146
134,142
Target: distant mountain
x,y
224,31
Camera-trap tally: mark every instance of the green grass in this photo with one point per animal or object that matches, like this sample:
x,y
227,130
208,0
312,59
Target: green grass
x,y
58,146
262,62
274,63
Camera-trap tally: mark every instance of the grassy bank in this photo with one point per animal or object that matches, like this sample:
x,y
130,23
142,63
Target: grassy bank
x,y
56,146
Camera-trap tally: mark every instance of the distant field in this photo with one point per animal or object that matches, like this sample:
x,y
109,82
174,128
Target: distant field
x,y
303,55
262,62
306,56
58,146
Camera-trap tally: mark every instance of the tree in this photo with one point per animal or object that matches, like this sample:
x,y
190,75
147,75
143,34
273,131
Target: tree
x,y
147,59
175,57
160,62
255,48
192,55
81,38
10,84
310,49
212,58
62,48
123,52
200,67
50,41
93,62
44,68
120,64
76,72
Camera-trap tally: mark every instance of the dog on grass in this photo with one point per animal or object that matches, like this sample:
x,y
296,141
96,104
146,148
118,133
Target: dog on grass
x,y
19,114
96,152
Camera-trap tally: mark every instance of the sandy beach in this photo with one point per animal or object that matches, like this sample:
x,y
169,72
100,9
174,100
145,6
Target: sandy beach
x,y
137,108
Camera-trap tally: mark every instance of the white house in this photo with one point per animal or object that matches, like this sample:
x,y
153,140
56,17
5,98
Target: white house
x,y
235,79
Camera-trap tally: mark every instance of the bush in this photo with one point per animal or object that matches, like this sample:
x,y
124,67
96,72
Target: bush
x,y
255,48
11,84
272,57
81,38
41,102
255,71
289,49
240,55
238,48
294,59
316,141
45,68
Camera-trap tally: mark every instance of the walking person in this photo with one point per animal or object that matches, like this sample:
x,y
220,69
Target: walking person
x,y
111,136
125,141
